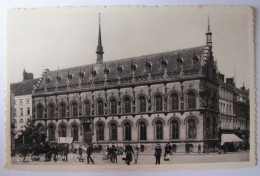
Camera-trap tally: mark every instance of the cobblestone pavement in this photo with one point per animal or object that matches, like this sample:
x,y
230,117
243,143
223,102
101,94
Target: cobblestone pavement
x,y
148,159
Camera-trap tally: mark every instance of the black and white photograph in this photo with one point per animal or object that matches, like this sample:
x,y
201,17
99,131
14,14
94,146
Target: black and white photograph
x,y
130,88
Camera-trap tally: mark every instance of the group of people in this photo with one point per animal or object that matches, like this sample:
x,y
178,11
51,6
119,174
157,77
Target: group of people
x,y
89,152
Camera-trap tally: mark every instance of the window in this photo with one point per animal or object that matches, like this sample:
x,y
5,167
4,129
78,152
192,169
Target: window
x,y
74,109
21,111
87,108
28,101
174,101
15,112
39,111
63,131
62,110
191,129
100,132
127,105
51,133
75,132
174,129
21,120
158,102
127,131
113,132
142,131
142,104
191,100
28,111
100,107
51,111
21,102
158,130
113,106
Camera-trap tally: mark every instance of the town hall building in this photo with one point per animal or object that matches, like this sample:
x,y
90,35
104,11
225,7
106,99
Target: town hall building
x,y
159,98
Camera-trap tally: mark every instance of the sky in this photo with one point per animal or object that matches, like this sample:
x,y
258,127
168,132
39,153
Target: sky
x,y
66,37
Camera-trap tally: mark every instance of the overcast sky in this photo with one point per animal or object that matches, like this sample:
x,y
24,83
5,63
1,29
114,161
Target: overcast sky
x,y
67,37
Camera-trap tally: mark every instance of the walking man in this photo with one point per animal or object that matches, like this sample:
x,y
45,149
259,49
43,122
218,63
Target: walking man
x,y
89,152
199,149
157,154
128,152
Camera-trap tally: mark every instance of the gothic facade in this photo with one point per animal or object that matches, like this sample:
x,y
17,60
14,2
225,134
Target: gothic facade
x,y
159,98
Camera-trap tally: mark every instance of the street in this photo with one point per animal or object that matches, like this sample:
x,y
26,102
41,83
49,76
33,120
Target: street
x,y
145,158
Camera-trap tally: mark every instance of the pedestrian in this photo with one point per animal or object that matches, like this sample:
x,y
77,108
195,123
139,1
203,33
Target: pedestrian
x,y
136,153
167,151
128,152
89,152
66,152
80,153
157,154
199,149
114,154
55,153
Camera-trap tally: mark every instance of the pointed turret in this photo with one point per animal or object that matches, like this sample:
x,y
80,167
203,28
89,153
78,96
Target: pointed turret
x,y
209,36
100,51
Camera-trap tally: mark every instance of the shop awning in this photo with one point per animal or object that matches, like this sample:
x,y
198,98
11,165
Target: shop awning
x,y
65,140
230,138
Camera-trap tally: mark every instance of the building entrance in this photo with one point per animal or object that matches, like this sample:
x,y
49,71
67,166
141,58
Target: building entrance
x,y
87,132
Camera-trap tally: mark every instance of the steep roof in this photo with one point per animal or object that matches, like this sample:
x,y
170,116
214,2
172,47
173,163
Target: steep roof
x,y
155,60
24,87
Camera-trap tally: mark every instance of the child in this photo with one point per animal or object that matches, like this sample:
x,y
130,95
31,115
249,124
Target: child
x,y
136,152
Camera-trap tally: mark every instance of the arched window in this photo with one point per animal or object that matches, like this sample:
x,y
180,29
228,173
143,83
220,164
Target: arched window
x,y
51,132
62,131
113,132
127,105
75,132
191,100
191,125
100,132
158,130
51,111
142,131
74,107
87,108
174,129
62,110
127,131
100,107
174,102
39,111
158,102
142,104
113,106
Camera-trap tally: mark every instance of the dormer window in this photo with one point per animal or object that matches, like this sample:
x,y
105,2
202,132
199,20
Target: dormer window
x,y
106,70
70,76
133,67
196,59
48,79
93,73
148,65
120,69
58,78
81,74
164,63
180,61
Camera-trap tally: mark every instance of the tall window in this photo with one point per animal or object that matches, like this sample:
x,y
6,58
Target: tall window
x,y
174,129
113,106
51,133
127,131
113,131
62,110
142,131
28,111
174,102
62,132
158,130
75,132
100,107
158,102
87,108
127,105
51,111
100,132
74,108
191,129
39,111
142,104
191,100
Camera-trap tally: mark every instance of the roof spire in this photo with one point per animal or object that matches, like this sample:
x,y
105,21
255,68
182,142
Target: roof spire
x,y
208,24
99,51
209,36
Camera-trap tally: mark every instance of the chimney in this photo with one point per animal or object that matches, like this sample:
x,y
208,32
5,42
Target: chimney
x,y
221,77
230,81
27,76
